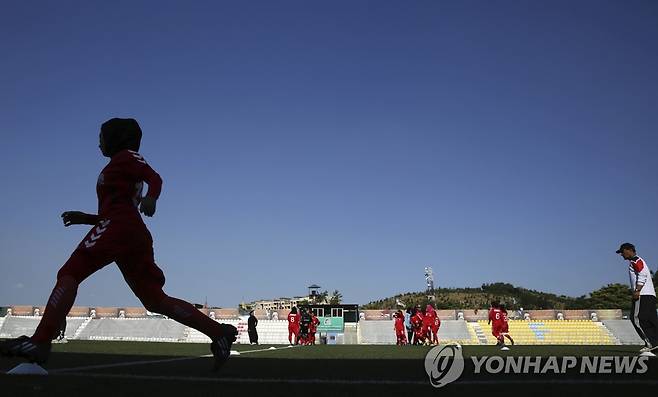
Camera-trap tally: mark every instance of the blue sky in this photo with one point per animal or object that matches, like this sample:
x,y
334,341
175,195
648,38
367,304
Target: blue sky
x,y
344,143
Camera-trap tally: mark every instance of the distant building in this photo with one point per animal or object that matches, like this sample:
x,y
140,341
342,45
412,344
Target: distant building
x,y
314,297
280,303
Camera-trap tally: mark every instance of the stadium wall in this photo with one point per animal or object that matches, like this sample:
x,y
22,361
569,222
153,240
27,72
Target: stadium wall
x,y
276,332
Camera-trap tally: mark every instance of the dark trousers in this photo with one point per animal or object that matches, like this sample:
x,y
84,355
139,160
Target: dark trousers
x,y
253,336
410,336
645,319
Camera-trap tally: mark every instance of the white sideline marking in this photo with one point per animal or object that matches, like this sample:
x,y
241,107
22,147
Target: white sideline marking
x,y
124,364
371,381
144,362
260,350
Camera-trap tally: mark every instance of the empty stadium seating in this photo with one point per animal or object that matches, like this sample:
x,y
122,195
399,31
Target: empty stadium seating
x,y
134,329
15,326
554,332
137,325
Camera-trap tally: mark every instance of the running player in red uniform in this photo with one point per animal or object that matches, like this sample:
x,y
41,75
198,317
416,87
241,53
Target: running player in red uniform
x,y
118,235
504,329
293,326
400,333
496,321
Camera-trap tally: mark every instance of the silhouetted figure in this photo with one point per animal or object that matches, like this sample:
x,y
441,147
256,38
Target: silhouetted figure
x,y
252,322
118,234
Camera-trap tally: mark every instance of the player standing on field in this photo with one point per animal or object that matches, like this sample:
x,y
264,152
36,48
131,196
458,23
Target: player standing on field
x,y
417,324
118,235
428,320
435,324
293,326
643,306
313,328
407,325
304,326
399,328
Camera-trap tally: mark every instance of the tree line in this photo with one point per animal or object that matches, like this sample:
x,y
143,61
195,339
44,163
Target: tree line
x,y
611,296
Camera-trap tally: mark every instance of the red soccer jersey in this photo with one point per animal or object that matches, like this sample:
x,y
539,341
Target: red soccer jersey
x,y
293,320
314,324
428,320
120,185
399,323
496,317
417,320
436,322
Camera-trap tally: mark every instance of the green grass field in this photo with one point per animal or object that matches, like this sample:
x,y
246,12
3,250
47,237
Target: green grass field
x,y
168,369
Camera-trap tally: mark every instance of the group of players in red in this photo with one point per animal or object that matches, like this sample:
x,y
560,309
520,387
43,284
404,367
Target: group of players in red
x,y
421,326
499,325
302,326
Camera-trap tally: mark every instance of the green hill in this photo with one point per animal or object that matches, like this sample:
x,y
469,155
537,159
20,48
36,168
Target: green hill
x,y
610,296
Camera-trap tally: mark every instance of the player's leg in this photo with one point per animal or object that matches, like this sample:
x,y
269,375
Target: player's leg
x,y
146,280
496,333
221,335
80,265
510,338
290,335
154,299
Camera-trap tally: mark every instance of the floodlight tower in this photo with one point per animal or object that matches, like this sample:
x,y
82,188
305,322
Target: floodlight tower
x,y
429,280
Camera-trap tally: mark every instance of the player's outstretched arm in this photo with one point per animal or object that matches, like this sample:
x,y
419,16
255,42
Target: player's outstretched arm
x,y
78,218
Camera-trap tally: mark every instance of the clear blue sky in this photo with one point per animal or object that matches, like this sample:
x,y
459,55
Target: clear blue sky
x,y
343,143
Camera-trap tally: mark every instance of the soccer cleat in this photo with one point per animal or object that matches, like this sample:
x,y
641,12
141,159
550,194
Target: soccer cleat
x,y
25,348
221,347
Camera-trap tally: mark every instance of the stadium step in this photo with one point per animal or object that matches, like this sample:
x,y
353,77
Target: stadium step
x,y
81,328
479,332
607,331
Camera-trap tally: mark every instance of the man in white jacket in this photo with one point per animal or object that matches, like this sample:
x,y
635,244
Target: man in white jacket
x,y
643,307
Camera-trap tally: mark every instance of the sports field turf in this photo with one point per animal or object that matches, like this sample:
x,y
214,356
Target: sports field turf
x,y
171,369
